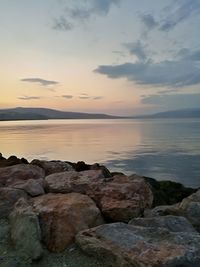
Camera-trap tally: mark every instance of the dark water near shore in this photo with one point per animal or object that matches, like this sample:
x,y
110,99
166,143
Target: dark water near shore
x,y
163,149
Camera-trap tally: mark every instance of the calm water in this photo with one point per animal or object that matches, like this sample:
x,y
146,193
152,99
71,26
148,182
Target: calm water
x,y
163,149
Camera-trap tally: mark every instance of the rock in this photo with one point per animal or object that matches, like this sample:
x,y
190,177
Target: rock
x,y
31,187
127,245
123,197
104,170
12,160
25,231
170,222
81,166
120,198
72,181
190,208
62,216
8,198
162,211
53,166
9,176
168,192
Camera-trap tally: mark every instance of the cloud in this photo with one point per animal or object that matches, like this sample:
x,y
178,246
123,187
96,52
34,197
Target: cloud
x,y
84,97
67,96
28,97
40,81
82,11
137,49
173,101
179,12
149,21
172,15
84,94
97,97
62,24
177,73
91,7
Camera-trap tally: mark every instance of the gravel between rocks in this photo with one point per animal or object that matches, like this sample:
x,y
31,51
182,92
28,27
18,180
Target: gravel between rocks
x,y
71,257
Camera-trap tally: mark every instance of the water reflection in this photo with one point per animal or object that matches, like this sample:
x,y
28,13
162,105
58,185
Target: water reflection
x,y
168,149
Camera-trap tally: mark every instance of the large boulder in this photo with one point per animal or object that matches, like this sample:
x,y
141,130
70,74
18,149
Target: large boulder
x,y
170,222
52,166
72,181
10,176
123,197
8,198
25,231
120,198
127,245
62,216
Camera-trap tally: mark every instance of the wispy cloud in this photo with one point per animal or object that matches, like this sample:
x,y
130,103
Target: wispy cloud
x,y
29,97
62,24
179,12
97,97
84,97
137,49
40,81
67,96
172,15
149,21
81,11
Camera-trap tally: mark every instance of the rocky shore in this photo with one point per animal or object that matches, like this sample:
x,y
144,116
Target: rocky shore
x,y
59,213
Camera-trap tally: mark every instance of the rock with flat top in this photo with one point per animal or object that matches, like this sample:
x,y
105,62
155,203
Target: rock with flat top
x,y
10,176
125,245
170,222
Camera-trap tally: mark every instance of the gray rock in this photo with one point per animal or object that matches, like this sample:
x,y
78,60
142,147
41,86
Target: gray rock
x,y
189,208
31,186
170,222
127,245
53,166
25,231
8,198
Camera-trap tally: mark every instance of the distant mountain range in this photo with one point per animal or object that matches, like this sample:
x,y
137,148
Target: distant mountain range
x,y
180,113
45,114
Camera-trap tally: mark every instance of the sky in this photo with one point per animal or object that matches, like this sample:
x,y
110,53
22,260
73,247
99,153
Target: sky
x,y
122,57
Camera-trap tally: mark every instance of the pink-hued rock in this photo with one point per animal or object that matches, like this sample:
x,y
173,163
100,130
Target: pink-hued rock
x,y
8,198
123,197
62,216
120,198
123,245
72,181
53,166
9,176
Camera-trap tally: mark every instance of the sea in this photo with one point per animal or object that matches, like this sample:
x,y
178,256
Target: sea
x,y
164,149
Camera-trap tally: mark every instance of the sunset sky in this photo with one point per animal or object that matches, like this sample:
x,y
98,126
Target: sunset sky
x,y
121,57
